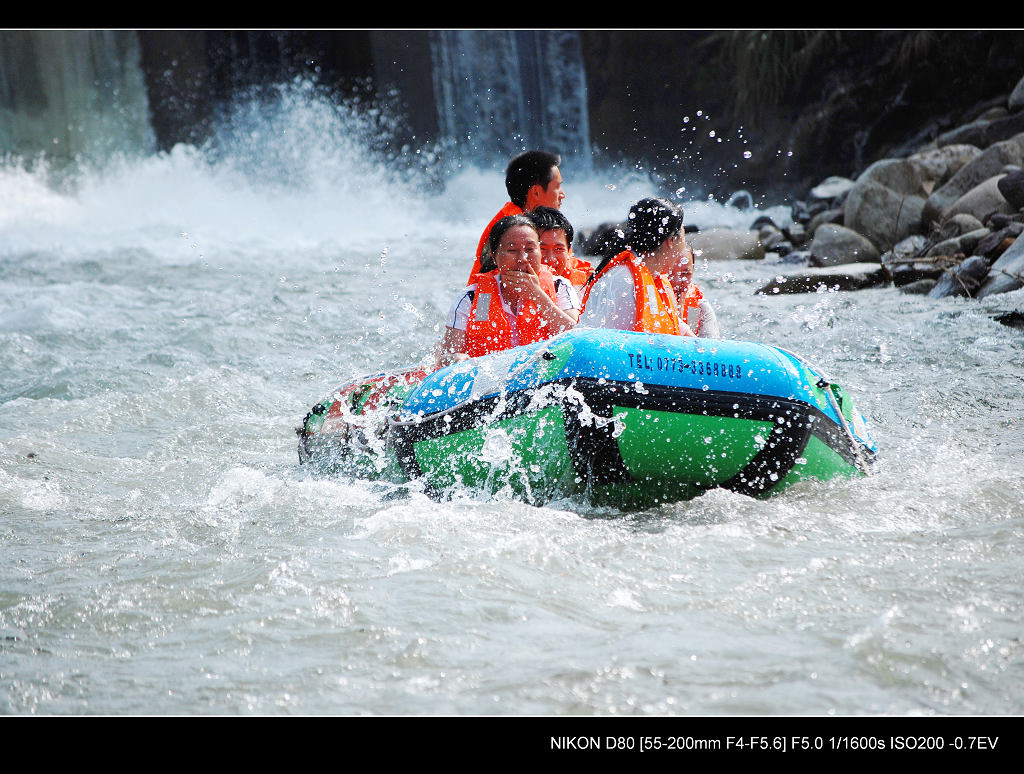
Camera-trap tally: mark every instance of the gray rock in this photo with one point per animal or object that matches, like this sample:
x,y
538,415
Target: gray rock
x,y
984,133
975,268
982,201
771,238
908,274
726,244
919,287
834,245
901,264
886,202
1016,100
946,286
832,188
1013,319
963,244
907,265
796,258
797,234
1011,186
762,222
910,247
999,220
986,165
1007,273
937,165
959,224
849,277
993,113
964,280
825,216
996,243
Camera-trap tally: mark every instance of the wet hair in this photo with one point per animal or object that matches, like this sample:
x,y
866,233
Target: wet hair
x,y
527,170
609,243
652,222
548,218
487,261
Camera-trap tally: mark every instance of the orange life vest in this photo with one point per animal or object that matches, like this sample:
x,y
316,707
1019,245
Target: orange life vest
x,y
504,212
580,272
656,307
489,329
691,307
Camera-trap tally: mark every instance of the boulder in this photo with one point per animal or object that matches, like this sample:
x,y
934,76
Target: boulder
x,y
774,241
833,245
761,222
606,240
885,202
937,165
919,287
1011,186
993,113
849,277
1013,319
984,133
964,280
717,244
982,201
797,234
826,216
963,244
990,163
796,258
909,273
910,247
1016,100
997,242
1007,273
959,224
773,238
999,220
832,188
906,264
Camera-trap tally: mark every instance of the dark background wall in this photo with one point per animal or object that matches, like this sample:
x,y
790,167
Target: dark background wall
x,y
771,111
806,103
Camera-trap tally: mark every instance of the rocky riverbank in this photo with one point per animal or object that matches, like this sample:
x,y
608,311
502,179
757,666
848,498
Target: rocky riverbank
x,y
944,220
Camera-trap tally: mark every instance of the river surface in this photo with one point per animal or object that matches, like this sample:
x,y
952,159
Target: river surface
x,y
165,324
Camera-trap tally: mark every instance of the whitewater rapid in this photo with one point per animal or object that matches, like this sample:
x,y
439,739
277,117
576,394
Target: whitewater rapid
x,y
166,322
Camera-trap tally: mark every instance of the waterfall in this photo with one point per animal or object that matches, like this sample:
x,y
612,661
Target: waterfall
x,y
72,93
85,94
499,92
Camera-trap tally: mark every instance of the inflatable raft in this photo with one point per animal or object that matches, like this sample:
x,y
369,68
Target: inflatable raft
x,y
620,418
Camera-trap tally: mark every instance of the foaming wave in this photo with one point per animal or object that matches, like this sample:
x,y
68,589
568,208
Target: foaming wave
x,y
292,170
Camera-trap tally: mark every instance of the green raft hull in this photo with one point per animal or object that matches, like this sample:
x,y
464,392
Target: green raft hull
x,y
614,418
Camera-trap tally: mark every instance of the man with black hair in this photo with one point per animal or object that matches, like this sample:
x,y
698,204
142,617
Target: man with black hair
x,y
556,233
532,180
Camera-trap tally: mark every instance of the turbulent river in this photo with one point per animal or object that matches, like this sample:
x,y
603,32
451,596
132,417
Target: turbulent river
x,y
165,324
